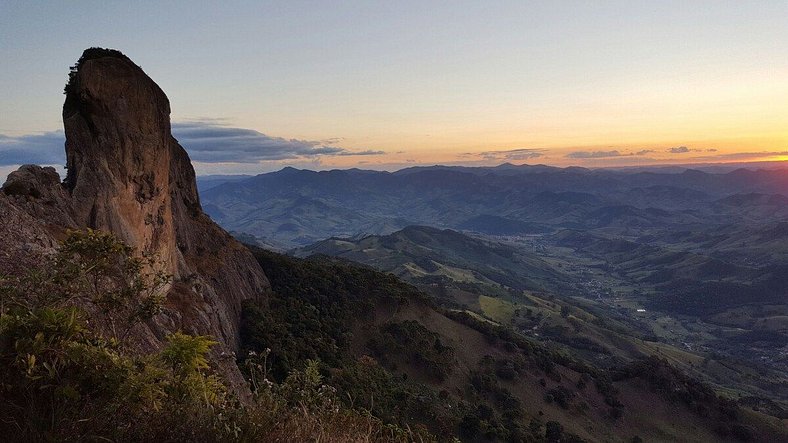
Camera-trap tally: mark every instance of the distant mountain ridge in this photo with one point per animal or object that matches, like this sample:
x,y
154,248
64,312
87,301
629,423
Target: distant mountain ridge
x,y
295,207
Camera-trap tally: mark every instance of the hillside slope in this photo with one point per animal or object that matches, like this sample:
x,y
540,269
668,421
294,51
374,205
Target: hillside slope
x,y
388,349
557,295
430,255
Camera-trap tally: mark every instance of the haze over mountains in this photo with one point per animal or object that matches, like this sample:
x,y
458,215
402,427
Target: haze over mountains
x,y
296,207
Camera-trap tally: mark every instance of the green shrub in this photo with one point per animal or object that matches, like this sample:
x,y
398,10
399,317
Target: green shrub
x,y
411,342
63,378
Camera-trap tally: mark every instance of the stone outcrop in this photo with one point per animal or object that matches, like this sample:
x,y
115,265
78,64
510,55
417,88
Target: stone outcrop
x,y
128,175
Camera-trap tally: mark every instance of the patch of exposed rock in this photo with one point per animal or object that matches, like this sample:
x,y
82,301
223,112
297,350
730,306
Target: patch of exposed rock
x,y
129,176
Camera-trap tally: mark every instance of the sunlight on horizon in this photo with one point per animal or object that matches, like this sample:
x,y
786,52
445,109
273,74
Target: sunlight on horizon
x,y
428,83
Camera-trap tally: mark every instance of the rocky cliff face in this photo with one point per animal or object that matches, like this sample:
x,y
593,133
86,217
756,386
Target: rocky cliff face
x,y
128,175
118,153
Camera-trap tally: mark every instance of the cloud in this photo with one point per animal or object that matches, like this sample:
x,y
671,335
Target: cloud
x,y
644,152
44,149
209,142
679,150
367,152
594,154
511,154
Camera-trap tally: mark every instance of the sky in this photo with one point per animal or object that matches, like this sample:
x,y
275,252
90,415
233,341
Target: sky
x,y
255,86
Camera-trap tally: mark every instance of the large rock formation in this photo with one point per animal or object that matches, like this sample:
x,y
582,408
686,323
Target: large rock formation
x,y
118,153
128,175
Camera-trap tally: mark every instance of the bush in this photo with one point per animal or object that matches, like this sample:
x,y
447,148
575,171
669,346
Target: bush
x,y
411,342
553,431
561,396
65,379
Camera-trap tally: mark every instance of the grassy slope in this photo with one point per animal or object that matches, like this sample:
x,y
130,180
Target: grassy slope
x,y
645,413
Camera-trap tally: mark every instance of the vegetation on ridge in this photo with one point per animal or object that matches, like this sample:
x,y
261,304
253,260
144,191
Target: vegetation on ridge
x,y
69,369
90,54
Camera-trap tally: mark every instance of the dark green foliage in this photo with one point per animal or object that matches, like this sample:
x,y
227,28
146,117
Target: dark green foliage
x,y
370,387
506,370
553,431
62,379
313,308
678,387
90,54
562,334
561,396
483,421
470,426
505,424
604,386
411,342
294,331
312,312
319,276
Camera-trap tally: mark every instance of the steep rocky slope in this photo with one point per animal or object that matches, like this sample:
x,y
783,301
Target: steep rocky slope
x,y
129,176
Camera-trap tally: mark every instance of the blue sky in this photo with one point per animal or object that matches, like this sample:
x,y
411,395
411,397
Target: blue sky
x,y
387,84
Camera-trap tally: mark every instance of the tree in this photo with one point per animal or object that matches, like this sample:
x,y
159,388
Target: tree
x,y
553,431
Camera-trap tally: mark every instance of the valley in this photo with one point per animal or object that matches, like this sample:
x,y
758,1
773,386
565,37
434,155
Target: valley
x,y
618,321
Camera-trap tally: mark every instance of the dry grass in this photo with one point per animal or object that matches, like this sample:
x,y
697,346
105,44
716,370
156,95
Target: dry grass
x,y
272,424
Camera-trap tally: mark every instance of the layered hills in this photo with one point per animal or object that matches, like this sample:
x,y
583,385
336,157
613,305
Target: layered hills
x,y
702,253
296,207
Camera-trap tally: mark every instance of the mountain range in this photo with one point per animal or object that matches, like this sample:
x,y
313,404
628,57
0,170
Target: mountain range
x,y
296,207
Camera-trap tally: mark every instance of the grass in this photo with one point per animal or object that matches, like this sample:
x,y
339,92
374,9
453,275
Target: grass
x,y
497,309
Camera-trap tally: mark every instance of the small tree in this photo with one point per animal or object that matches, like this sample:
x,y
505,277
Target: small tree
x,y
95,268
